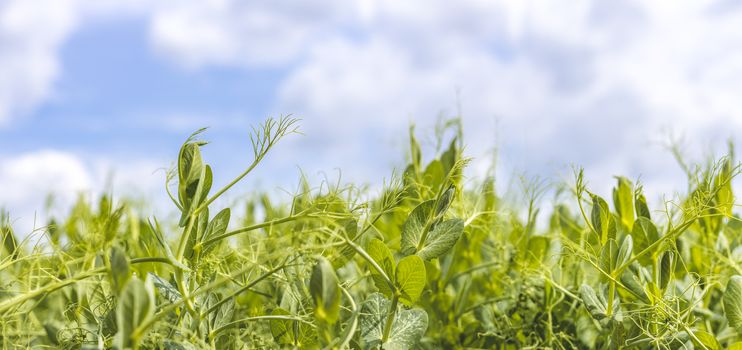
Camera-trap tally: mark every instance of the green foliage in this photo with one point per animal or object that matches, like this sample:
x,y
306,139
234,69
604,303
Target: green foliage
x,y
136,307
325,291
408,325
429,262
733,303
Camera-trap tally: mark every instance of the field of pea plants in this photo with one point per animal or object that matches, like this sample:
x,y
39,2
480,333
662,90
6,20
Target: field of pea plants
x,y
432,260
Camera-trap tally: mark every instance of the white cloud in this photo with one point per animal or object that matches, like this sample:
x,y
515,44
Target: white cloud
x,y
272,33
589,82
29,179
592,83
30,34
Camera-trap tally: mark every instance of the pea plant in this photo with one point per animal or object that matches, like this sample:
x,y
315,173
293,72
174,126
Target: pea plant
x,y
432,260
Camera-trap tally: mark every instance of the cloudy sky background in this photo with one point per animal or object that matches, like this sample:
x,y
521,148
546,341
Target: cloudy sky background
x,y
94,88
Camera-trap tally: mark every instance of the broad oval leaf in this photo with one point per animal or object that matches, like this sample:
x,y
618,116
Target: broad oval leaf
x,y
537,249
324,289
136,305
623,200
644,233
609,256
444,202
602,219
383,257
408,326
282,330
595,305
434,174
216,227
624,252
441,239
119,271
410,278
414,226
631,278
708,340
165,288
732,301
640,204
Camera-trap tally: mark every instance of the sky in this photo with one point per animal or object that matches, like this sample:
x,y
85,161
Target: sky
x,y
100,94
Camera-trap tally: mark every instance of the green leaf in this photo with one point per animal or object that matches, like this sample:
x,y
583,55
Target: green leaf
x,y
10,243
383,257
434,175
537,248
595,305
644,234
173,345
732,300
216,227
282,330
623,200
609,256
640,204
441,239
324,289
723,184
415,152
448,158
624,252
191,172
407,329
602,220
735,346
164,245
444,202
223,314
119,271
414,226
136,305
197,232
708,340
408,326
410,278
165,288
631,279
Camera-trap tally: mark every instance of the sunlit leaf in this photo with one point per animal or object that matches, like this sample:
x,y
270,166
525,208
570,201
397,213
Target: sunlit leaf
x,y
441,239
324,288
732,300
410,278
383,257
414,226
136,305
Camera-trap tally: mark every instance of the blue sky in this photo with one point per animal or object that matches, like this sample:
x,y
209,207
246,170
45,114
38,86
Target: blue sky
x,y
93,88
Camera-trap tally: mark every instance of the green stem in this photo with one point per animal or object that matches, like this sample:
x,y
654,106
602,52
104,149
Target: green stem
x,y
257,318
184,238
371,262
351,330
671,236
229,185
241,290
152,260
20,299
611,295
203,290
390,319
249,228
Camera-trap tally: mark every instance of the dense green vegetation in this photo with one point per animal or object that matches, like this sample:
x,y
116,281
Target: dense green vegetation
x,y
432,261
